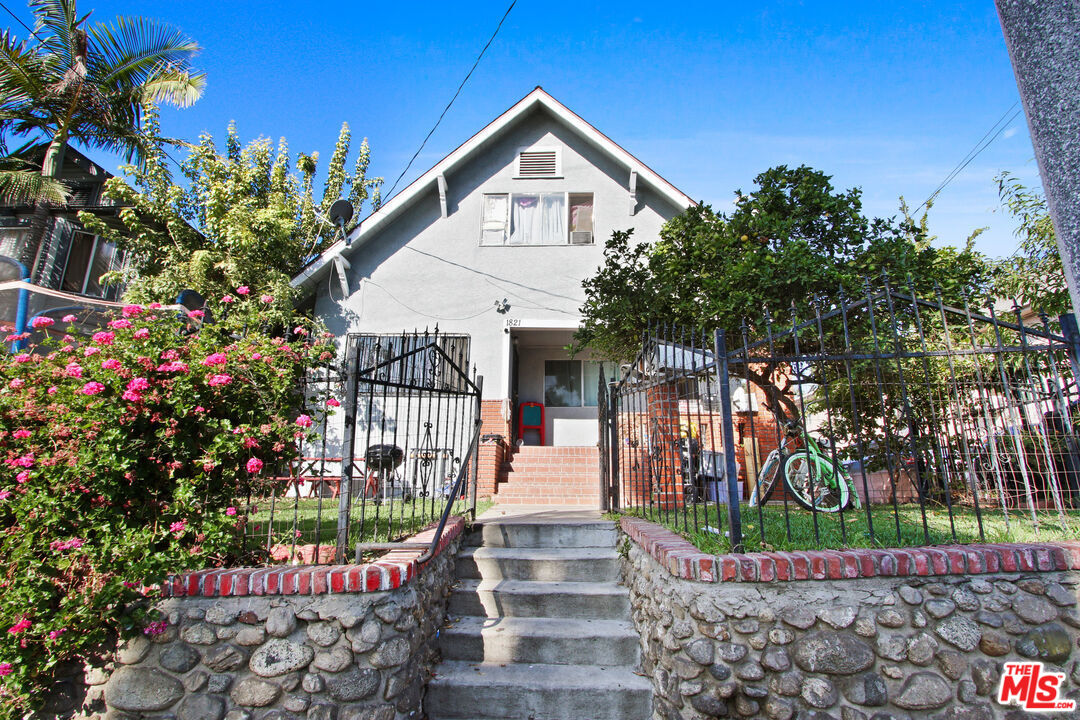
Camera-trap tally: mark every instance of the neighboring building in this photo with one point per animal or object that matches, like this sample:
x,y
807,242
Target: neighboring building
x,y
61,255
493,243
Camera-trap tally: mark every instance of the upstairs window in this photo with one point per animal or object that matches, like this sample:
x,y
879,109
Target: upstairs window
x,y
537,219
539,163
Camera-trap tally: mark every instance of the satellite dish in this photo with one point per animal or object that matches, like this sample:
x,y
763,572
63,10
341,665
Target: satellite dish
x,y
341,212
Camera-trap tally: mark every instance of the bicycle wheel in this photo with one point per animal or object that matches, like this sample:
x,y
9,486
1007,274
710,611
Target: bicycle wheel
x,y
766,480
805,480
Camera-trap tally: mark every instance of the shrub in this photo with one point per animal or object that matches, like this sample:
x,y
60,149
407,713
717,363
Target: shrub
x,y
123,457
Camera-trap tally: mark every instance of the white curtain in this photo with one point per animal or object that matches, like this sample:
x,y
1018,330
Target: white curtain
x,y
538,219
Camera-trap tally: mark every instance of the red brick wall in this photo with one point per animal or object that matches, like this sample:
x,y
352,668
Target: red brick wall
x,y
492,454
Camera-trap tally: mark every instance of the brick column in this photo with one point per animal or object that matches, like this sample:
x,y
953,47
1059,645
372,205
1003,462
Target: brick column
x,y
492,452
663,431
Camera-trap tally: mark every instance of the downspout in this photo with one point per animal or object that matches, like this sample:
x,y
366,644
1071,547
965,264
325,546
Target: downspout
x,y
24,302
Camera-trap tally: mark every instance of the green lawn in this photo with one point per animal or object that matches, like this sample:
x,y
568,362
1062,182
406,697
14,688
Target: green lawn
x,y
388,521
797,530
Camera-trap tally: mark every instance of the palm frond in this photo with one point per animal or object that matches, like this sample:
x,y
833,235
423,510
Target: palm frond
x,y
175,88
134,50
27,186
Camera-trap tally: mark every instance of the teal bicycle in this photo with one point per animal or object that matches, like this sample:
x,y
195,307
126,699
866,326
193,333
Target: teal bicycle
x,y
811,477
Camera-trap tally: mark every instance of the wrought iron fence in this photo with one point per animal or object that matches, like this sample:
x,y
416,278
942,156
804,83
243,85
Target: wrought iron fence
x,y
882,420
396,451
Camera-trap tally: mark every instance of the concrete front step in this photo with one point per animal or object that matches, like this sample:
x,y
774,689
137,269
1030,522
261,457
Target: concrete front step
x,y
528,598
568,564
496,534
552,641
537,691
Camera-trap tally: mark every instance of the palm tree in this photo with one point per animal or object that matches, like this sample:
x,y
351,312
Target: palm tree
x,y
88,85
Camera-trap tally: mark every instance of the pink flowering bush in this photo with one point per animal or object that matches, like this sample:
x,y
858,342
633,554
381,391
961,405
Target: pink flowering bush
x,y
118,470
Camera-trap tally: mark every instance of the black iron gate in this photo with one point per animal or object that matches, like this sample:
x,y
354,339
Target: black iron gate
x,y
883,420
410,436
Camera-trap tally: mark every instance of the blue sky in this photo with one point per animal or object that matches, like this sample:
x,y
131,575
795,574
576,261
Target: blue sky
x,y
888,97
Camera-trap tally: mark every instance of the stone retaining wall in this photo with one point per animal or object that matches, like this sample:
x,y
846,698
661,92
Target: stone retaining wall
x,y
860,635
353,642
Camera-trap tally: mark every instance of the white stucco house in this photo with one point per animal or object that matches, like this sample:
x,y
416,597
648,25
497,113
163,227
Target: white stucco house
x,y
493,243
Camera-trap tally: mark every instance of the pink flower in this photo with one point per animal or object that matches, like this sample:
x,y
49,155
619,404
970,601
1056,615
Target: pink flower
x,y
250,442
156,628
254,465
228,299
110,364
15,338
17,383
73,369
267,299
141,334
5,494
132,310
243,290
220,379
41,322
196,314
208,466
200,409
138,384
61,545
170,355
304,421
19,626
256,356
92,388
25,461
178,527
121,324
23,358
299,330
6,668
215,359
131,396
174,366
154,305
22,477
67,349
103,338
91,351
333,402
53,634
230,511
53,390
21,433
69,318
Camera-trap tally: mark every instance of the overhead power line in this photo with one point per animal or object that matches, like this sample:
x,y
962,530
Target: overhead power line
x,y
19,20
458,92
984,142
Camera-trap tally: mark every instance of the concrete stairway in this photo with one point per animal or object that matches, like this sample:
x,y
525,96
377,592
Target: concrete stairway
x,y
544,475
540,629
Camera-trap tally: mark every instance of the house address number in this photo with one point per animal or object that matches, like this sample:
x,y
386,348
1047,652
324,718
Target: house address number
x,y
513,322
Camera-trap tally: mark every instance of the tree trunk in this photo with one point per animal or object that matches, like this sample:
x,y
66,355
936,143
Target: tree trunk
x,y
33,254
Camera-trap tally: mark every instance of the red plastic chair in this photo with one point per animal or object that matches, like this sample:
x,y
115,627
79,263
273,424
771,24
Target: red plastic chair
x,y
531,417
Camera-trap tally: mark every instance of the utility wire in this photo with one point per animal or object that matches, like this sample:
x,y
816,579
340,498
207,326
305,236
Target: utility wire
x,y
390,194
995,130
18,20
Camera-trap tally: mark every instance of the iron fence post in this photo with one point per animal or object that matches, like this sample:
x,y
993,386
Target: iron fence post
x,y
613,448
352,362
1072,337
476,455
731,466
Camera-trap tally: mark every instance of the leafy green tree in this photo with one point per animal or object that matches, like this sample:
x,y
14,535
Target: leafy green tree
x,y
244,218
790,241
1034,273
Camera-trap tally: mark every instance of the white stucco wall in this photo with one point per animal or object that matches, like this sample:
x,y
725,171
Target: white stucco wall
x,y
421,270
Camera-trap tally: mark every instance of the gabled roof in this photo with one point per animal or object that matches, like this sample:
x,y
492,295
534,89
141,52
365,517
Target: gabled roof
x,y
538,98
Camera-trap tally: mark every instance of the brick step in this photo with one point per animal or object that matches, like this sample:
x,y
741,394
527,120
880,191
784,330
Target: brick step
x,y
554,499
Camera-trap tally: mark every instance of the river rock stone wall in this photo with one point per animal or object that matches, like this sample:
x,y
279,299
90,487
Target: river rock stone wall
x,y
863,648
315,643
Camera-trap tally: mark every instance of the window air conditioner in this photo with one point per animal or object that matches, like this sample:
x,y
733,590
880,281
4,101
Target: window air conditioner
x,y
581,237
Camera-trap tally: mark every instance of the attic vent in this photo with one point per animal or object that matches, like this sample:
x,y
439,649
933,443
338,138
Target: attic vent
x,y
538,163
